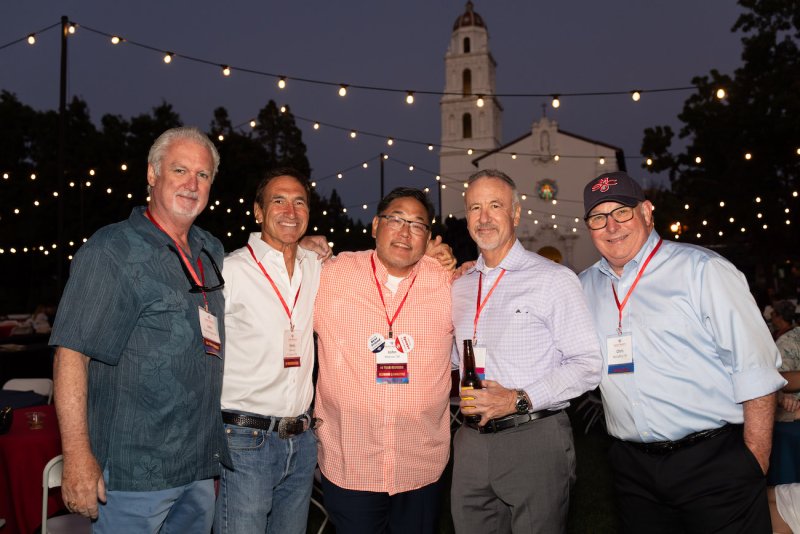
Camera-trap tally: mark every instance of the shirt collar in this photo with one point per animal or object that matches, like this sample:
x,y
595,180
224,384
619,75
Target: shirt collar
x,y
513,261
632,265
383,274
263,250
141,223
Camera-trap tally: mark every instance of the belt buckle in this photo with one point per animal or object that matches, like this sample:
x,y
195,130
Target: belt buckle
x,y
290,426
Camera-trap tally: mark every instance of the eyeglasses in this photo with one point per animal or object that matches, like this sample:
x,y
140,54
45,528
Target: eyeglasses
x,y
598,221
196,288
396,223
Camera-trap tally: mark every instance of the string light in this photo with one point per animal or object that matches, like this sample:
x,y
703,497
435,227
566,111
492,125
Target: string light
x,y
221,137
252,124
649,161
282,82
168,57
316,126
479,102
636,96
342,90
226,70
352,134
33,176
748,156
602,161
513,155
390,141
31,39
721,93
410,97
283,109
71,29
556,158
115,40
430,148
556,103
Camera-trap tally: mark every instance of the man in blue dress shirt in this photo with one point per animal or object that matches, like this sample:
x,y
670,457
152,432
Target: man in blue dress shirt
x,y
535,343
689,373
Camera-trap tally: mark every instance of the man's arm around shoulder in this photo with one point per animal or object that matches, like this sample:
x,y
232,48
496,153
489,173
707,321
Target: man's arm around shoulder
x,y
82,481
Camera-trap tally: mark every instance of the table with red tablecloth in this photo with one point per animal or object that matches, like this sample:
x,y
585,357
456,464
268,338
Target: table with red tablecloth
x,y
23,454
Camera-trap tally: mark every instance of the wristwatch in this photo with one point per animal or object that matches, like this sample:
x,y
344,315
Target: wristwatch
x,y
522,403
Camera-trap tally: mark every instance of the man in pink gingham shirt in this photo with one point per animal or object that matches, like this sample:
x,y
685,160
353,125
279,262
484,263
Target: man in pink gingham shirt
x,y
385,334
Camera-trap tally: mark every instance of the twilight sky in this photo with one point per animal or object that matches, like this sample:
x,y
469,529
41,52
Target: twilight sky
x,y
540,47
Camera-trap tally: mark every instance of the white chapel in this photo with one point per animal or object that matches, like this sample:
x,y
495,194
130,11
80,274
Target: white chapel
x,y
550,166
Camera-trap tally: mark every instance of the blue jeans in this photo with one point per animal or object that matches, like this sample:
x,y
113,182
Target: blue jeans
x,y
269,488
171,511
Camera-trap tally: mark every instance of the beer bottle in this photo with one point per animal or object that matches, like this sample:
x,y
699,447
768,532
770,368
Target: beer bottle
x,y
470,379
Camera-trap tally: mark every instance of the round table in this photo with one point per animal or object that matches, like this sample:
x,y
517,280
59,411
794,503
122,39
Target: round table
x,y
23,454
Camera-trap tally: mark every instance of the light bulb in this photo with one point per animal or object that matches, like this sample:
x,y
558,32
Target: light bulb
x,y
721,93
636,96
115,40
282,82
168,57
556,102
226,70
342,90
479,102
32,39
410,97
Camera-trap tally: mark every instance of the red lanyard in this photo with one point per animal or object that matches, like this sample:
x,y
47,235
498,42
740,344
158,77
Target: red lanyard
x,y
285,307
480,305
380,292
633,286
201,281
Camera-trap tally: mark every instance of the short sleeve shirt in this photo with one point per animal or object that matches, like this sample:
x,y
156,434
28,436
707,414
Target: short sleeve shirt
x,y
154,394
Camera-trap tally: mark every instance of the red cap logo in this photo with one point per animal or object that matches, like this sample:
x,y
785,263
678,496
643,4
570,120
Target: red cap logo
x,y
603,184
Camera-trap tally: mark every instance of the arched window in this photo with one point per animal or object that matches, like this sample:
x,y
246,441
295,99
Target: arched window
x,y
466,81
466,45
466,125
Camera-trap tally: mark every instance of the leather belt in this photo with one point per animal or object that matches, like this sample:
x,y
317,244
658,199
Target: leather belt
x,y
510,421
665,447
286,426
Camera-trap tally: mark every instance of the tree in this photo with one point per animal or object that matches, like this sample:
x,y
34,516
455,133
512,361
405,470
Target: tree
x,y
725,190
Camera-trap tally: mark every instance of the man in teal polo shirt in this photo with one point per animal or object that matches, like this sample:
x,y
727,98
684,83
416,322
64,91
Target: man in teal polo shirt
x,y
138,367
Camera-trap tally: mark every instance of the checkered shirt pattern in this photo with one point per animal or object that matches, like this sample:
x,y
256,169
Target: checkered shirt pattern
x,y
382,437
536,328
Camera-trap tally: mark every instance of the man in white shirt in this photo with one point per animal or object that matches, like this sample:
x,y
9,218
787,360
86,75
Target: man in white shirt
x,y
270,287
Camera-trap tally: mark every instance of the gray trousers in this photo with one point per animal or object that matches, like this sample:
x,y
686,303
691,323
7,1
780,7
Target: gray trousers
x,y
517,480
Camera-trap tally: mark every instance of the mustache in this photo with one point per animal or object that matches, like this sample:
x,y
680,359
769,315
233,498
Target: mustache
x,y
189,194
486,227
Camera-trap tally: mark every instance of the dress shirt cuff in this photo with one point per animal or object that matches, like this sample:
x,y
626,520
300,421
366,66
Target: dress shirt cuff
x,y
757,382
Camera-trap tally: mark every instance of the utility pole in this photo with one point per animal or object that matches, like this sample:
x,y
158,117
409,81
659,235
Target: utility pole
x,y
61,163
381,158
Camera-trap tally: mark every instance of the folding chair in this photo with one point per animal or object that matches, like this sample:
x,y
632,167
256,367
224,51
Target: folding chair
x,y
42,386
61,524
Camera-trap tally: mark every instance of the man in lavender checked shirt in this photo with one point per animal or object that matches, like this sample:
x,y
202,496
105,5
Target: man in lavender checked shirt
x,y
536,345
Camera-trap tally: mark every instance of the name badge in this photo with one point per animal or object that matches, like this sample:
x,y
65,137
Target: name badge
x,y
480,361
210,331
620,353
392,360
291,348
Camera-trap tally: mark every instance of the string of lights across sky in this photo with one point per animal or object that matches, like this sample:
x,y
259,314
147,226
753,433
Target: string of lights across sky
x,y
283,80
